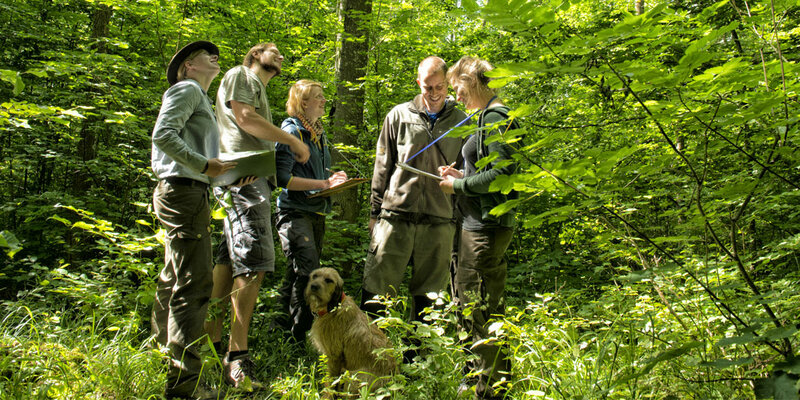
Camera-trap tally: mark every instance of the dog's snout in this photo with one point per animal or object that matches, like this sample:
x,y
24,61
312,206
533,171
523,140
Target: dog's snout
x,y
314,287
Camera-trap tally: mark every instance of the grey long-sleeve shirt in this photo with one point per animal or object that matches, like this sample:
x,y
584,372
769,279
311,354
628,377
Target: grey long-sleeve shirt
x,y
185,135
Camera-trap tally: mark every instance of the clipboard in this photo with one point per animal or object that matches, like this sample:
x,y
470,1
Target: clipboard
x,y
258,163
409,168
350,183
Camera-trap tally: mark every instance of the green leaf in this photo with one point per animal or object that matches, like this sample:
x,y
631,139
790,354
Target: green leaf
x,y
747,337
505,207
503,183
62,220
780,333
469,5
664,356
14,79
792,366
39,73
10,243
83,225
486,160
637,276
696,53
515,69
779,387
727,68
73,113
559,213
522,111
219,213
723,363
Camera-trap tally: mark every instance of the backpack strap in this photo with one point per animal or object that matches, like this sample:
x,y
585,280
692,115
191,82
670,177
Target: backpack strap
x,y
481,148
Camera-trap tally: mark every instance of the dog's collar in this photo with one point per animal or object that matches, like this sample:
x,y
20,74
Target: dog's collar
x,y
324,311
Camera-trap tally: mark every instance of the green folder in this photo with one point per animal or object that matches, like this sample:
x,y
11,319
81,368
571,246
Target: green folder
x,y
259,163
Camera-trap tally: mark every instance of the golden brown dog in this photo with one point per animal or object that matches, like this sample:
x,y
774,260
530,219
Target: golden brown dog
x,y
343,332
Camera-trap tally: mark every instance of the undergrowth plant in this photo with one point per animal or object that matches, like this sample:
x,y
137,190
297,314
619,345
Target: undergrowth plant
x,y
61,354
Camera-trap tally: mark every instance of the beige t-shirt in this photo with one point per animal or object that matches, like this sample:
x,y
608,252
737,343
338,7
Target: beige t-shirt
x,y
243,85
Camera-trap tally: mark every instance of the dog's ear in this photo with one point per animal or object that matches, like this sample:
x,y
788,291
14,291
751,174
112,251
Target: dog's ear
x,y
336,297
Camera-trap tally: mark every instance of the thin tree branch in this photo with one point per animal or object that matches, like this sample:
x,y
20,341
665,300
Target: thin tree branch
x,y
700,208
600,125
737,147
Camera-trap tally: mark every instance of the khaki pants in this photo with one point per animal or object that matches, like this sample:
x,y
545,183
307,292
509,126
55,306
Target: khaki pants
x,y
184,285
480,279
395,243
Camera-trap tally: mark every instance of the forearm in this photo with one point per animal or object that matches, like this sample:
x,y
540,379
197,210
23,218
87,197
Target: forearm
x,y
299,183
259,127
480,182
475,184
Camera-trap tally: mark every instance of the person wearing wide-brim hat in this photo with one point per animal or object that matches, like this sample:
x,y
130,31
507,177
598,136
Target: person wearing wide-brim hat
x,y
185,150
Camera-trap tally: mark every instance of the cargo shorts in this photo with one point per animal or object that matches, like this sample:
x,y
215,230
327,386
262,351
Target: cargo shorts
x,y
247,244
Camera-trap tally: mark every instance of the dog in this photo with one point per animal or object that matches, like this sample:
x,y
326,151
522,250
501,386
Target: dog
x,y
345,335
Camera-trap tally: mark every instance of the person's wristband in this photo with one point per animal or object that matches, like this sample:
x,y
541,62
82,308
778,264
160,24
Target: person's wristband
x,y
204,168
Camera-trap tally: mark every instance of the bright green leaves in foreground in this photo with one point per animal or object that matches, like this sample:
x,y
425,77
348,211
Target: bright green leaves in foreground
x,y
658,187
669,129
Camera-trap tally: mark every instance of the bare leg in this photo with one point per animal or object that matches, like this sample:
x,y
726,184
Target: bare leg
x,y
221,291
243,300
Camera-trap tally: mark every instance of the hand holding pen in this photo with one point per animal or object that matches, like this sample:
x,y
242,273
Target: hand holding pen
x,y
336,178
448,170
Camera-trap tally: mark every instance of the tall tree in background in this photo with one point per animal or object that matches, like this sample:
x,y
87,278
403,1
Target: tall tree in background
x,y
639,6
348,111
87,146
351,63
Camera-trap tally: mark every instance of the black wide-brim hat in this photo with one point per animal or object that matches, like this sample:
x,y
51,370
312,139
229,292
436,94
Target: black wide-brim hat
x,y
180,56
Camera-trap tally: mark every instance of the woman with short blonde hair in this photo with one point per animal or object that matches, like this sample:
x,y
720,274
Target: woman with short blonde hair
x,y
300,92
470,73
480,275
301,218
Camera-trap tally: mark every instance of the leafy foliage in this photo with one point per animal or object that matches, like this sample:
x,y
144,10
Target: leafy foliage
x,y
658,189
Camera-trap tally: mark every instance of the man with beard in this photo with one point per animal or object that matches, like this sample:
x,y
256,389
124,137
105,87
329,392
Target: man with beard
x,y
410,222
246,251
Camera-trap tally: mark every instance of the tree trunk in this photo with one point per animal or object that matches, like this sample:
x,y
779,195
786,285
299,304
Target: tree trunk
x,y
351,63
348,117
87,145
639,6
101,16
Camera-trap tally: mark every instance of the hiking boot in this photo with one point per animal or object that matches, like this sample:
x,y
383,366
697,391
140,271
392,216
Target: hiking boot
x,y
240,373
194,391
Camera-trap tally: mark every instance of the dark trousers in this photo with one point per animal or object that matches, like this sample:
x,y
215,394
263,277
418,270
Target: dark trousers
x,y
480,280
184,285
301,235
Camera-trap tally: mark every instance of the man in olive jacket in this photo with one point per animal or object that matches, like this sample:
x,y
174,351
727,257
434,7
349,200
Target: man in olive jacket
x,y
411,219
